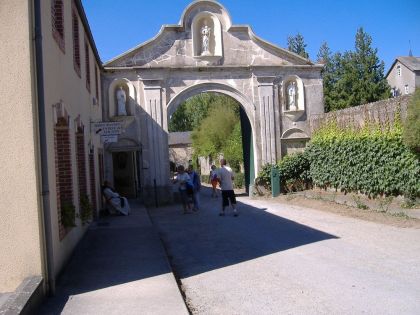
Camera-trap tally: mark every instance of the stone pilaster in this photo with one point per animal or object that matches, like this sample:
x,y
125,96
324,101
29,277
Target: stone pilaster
x,y
267,119
157,138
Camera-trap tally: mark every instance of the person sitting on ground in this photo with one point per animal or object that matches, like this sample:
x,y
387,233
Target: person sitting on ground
x,y
195,178
120,204
214,181
185,188
226,177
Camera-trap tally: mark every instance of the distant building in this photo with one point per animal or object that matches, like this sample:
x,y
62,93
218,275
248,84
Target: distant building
x,y
180,148
404,75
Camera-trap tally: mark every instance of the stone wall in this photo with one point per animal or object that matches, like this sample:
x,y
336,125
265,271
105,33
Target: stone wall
x,y
381,112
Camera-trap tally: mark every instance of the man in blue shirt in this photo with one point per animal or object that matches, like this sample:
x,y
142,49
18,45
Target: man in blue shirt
x,y
195,178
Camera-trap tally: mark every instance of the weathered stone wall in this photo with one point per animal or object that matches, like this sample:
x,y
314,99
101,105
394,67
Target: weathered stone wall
x,y
382,112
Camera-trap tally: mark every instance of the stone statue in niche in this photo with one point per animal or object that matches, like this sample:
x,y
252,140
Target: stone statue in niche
x,y
121,100
205,33
291,99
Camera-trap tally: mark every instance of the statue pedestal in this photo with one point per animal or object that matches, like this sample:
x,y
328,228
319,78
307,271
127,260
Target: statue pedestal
x,y
125,120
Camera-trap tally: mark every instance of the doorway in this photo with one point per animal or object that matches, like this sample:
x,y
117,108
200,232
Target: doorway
x,y
126,173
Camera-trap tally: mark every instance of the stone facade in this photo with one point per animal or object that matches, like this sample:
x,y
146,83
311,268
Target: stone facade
x,y
165,71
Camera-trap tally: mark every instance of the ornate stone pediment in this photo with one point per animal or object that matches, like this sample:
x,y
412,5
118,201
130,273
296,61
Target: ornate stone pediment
x,y
191,44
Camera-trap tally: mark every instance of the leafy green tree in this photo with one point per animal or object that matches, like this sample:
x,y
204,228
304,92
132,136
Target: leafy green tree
x,y
191,113
233,149
297,45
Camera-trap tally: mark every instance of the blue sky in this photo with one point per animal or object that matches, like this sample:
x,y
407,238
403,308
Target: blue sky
x,y
119,25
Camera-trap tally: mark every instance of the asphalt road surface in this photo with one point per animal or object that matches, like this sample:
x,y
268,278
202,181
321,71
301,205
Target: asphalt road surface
x,y
281,259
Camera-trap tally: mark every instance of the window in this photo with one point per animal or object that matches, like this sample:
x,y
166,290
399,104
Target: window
x,y
57,21
399,70
406,90
87,64
76,43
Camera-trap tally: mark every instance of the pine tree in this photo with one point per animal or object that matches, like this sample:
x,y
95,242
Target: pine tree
x,y
354,77
297,45
325,57
372,85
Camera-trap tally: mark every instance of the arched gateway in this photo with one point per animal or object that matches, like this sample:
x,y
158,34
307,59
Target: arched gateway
x,y
278,91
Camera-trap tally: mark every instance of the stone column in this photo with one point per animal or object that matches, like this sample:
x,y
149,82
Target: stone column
x,y
157,137
267,119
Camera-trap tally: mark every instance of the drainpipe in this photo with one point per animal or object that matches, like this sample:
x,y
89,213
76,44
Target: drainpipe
x,y
45,193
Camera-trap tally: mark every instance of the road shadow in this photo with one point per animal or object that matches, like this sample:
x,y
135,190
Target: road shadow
x,y
116,250
203,241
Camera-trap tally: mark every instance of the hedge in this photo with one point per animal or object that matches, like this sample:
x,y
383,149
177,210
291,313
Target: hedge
x,y
294,173
373,161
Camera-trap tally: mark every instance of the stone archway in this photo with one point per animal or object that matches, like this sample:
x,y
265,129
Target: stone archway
x,y
173,66
246,117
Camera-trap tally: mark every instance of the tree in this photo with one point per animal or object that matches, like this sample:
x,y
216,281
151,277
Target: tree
x,y
233,149
297,45
354,77
326,58
372,85
191,113
214,135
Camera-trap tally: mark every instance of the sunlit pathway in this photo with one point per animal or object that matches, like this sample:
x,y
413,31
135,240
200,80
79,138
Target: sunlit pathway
x,y
279,259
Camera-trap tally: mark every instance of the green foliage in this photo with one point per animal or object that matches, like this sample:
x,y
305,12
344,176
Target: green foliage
x,y
264,176
239,180
219,130
411,133
232,149
370,160
293,170
191,113
297,45
86,209
354,77
68,214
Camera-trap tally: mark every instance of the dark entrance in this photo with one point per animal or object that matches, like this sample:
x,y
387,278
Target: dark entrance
x,y
248,150
126,173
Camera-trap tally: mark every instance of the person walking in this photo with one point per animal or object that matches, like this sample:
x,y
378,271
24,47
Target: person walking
x,y
184,179
226,177
213,180
195,178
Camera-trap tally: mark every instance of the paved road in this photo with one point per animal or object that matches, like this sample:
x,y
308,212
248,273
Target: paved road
x,y
120,267
281,259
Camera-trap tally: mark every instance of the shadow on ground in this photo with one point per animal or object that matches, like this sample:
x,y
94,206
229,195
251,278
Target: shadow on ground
x,y
203,241
115,250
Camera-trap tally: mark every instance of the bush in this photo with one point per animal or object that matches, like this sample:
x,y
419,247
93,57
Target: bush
x,y
86,209
411,132
239,180
68,215
371,161
264,176
293,170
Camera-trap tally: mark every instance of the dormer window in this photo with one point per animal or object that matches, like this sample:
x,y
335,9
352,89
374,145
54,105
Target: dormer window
x,y
399,70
